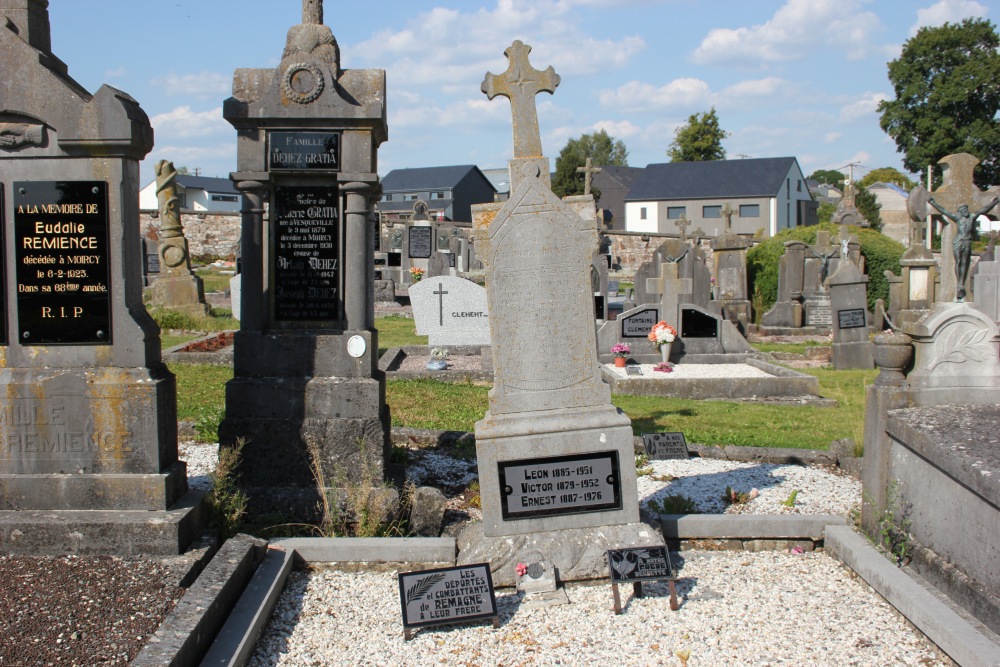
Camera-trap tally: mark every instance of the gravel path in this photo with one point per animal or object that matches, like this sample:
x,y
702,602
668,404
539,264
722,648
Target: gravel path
x,y
736,609
693,371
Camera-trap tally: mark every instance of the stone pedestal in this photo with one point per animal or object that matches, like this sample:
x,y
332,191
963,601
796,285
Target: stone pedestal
x,y
850,320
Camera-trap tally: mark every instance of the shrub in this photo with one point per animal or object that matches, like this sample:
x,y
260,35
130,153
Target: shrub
x,y
880,253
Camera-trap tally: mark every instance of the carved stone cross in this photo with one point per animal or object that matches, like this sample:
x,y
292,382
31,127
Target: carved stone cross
x,y
520,83
727,213
312,11
672,289
682,224
587,172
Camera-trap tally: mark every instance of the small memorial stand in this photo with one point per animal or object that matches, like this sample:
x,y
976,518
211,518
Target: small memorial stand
x,y
665,446
640,564
447,595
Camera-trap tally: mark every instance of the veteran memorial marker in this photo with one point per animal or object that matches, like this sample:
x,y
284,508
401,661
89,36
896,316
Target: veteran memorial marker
x,y
638,564
447,595
665,446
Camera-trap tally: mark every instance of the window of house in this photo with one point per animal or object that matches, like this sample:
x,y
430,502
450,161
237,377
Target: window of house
x,y
386,197
800,186
711,211
409,197
749,210
437,195
230,198
182,200
675,212
642,213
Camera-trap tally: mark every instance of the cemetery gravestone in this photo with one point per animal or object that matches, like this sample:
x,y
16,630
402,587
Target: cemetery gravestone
x,y
306,386
176,287
450,311
88,410
556,463
849,303
730,255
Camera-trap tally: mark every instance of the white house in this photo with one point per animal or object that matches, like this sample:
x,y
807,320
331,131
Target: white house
x,y
197,193
766,194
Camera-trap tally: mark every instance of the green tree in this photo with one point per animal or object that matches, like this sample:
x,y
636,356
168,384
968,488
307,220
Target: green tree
x,y
600,147
700,140
947,87
868,207
887,175
825,211
828,176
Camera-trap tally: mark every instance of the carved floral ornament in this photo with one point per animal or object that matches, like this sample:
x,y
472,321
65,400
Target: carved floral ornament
x,y
962,342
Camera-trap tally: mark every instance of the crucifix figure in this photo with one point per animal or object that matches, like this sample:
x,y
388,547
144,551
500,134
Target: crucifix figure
x,y
440,291
587,172
727,213
682,224
520,83
962,244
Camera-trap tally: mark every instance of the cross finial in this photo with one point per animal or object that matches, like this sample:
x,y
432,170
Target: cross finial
x,y
520,83
587,172
312,12
727,213
682,224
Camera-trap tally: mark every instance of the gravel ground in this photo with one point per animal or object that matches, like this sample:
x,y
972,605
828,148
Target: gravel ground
x,y
736,609
81,611
694,371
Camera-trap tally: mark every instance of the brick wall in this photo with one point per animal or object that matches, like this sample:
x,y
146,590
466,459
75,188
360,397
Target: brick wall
x,y
208,234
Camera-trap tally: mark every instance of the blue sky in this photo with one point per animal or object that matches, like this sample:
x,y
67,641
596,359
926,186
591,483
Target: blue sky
x,y
787,77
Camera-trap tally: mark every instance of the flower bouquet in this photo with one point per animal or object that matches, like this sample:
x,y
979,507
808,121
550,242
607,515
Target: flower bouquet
x,y
621,351
662,335
416,273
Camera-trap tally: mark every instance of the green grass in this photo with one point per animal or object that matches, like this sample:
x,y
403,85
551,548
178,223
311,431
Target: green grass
x,y
201,396
441,405
395,331
169,340
797,348
213,279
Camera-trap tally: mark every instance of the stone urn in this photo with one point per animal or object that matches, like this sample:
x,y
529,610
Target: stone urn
x,y
892,351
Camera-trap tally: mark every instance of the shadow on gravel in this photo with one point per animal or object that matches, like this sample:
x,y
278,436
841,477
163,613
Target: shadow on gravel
x,y
741,480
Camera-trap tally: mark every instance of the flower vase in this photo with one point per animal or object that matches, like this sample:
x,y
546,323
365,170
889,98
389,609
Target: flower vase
x,y
665,352
620,362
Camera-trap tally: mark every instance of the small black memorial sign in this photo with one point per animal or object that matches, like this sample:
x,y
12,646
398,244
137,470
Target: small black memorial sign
x,y
303,151
61,236
633,370
637,564
639,323
558,485
665,446
851,319
696,324
419,242
447,595
306,253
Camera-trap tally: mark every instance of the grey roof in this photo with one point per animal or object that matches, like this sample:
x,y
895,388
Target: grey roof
x,y
427,178
407,206
207,183
760,177
626,176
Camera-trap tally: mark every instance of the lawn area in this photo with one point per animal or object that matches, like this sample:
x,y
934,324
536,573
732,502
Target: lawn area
x,y
442,405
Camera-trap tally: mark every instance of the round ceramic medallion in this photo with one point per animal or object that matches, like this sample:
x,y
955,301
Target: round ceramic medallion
x,y
356,346
303,82
173,256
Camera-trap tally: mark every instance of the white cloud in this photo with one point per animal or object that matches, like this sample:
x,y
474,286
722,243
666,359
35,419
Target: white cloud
x,y
184,123
861,107
798,29
947,11
116,73
619,129
201,85
636,96
832,137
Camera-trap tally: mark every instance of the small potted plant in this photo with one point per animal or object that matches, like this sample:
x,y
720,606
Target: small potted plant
x,y
662,335
416,274
621,352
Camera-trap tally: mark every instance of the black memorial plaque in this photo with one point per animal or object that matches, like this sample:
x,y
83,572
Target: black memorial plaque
x,y
599,311
419,242
446,595
639,323
380,261
633,370
303,151
394,259
306,265
665,446
62,239
451,260
696,324
574,484
640,564
851,319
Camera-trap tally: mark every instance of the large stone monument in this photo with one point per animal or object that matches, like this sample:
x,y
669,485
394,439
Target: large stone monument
x,y
556,460
176,286
307,397
729,251
88,410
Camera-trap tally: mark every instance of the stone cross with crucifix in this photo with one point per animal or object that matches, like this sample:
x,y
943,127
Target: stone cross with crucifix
x,y
587,172
520,83
727,213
